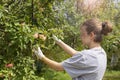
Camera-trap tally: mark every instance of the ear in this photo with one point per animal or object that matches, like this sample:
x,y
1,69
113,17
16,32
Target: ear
x,y
92,35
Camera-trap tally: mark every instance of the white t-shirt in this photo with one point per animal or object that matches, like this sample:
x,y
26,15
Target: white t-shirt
x,y
87,64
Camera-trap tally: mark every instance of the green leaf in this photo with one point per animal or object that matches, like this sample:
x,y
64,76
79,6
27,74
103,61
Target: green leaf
x,y
1,57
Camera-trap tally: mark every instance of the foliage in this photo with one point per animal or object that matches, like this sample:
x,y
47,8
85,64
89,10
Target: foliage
x,y
18,24
111,43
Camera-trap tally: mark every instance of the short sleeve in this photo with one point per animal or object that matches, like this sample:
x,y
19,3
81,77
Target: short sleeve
x,y
79,64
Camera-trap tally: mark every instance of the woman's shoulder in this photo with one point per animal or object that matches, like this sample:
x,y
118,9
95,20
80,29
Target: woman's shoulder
x,y
87,53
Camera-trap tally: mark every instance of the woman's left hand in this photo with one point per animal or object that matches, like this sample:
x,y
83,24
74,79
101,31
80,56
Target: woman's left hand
x,y
39,53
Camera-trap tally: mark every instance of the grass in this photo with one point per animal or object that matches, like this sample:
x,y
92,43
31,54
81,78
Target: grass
x,y
63,76
109,75
112,75
55,75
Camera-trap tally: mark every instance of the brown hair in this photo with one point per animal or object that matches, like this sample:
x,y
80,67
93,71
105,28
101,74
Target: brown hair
x,y
99,28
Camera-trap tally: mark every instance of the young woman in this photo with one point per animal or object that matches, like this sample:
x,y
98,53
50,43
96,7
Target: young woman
x,y
88,64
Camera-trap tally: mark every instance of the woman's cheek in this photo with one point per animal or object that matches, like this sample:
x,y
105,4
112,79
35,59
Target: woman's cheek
x,y
83,40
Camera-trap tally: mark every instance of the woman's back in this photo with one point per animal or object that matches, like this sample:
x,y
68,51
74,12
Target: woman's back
x,y
87,64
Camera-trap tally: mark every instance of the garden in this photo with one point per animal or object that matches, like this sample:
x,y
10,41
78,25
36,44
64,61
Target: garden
x,y
21,19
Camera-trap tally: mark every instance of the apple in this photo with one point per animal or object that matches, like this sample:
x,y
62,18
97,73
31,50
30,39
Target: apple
x,y
10,65
36,35
41,36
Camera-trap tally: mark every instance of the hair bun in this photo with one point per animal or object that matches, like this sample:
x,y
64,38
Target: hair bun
x,y
106,27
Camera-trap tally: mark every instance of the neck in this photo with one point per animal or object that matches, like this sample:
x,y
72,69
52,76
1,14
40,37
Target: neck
x,y
93,44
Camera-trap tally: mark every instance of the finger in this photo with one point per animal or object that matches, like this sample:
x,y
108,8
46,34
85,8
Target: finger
x,y
36,52
54,37
39,50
